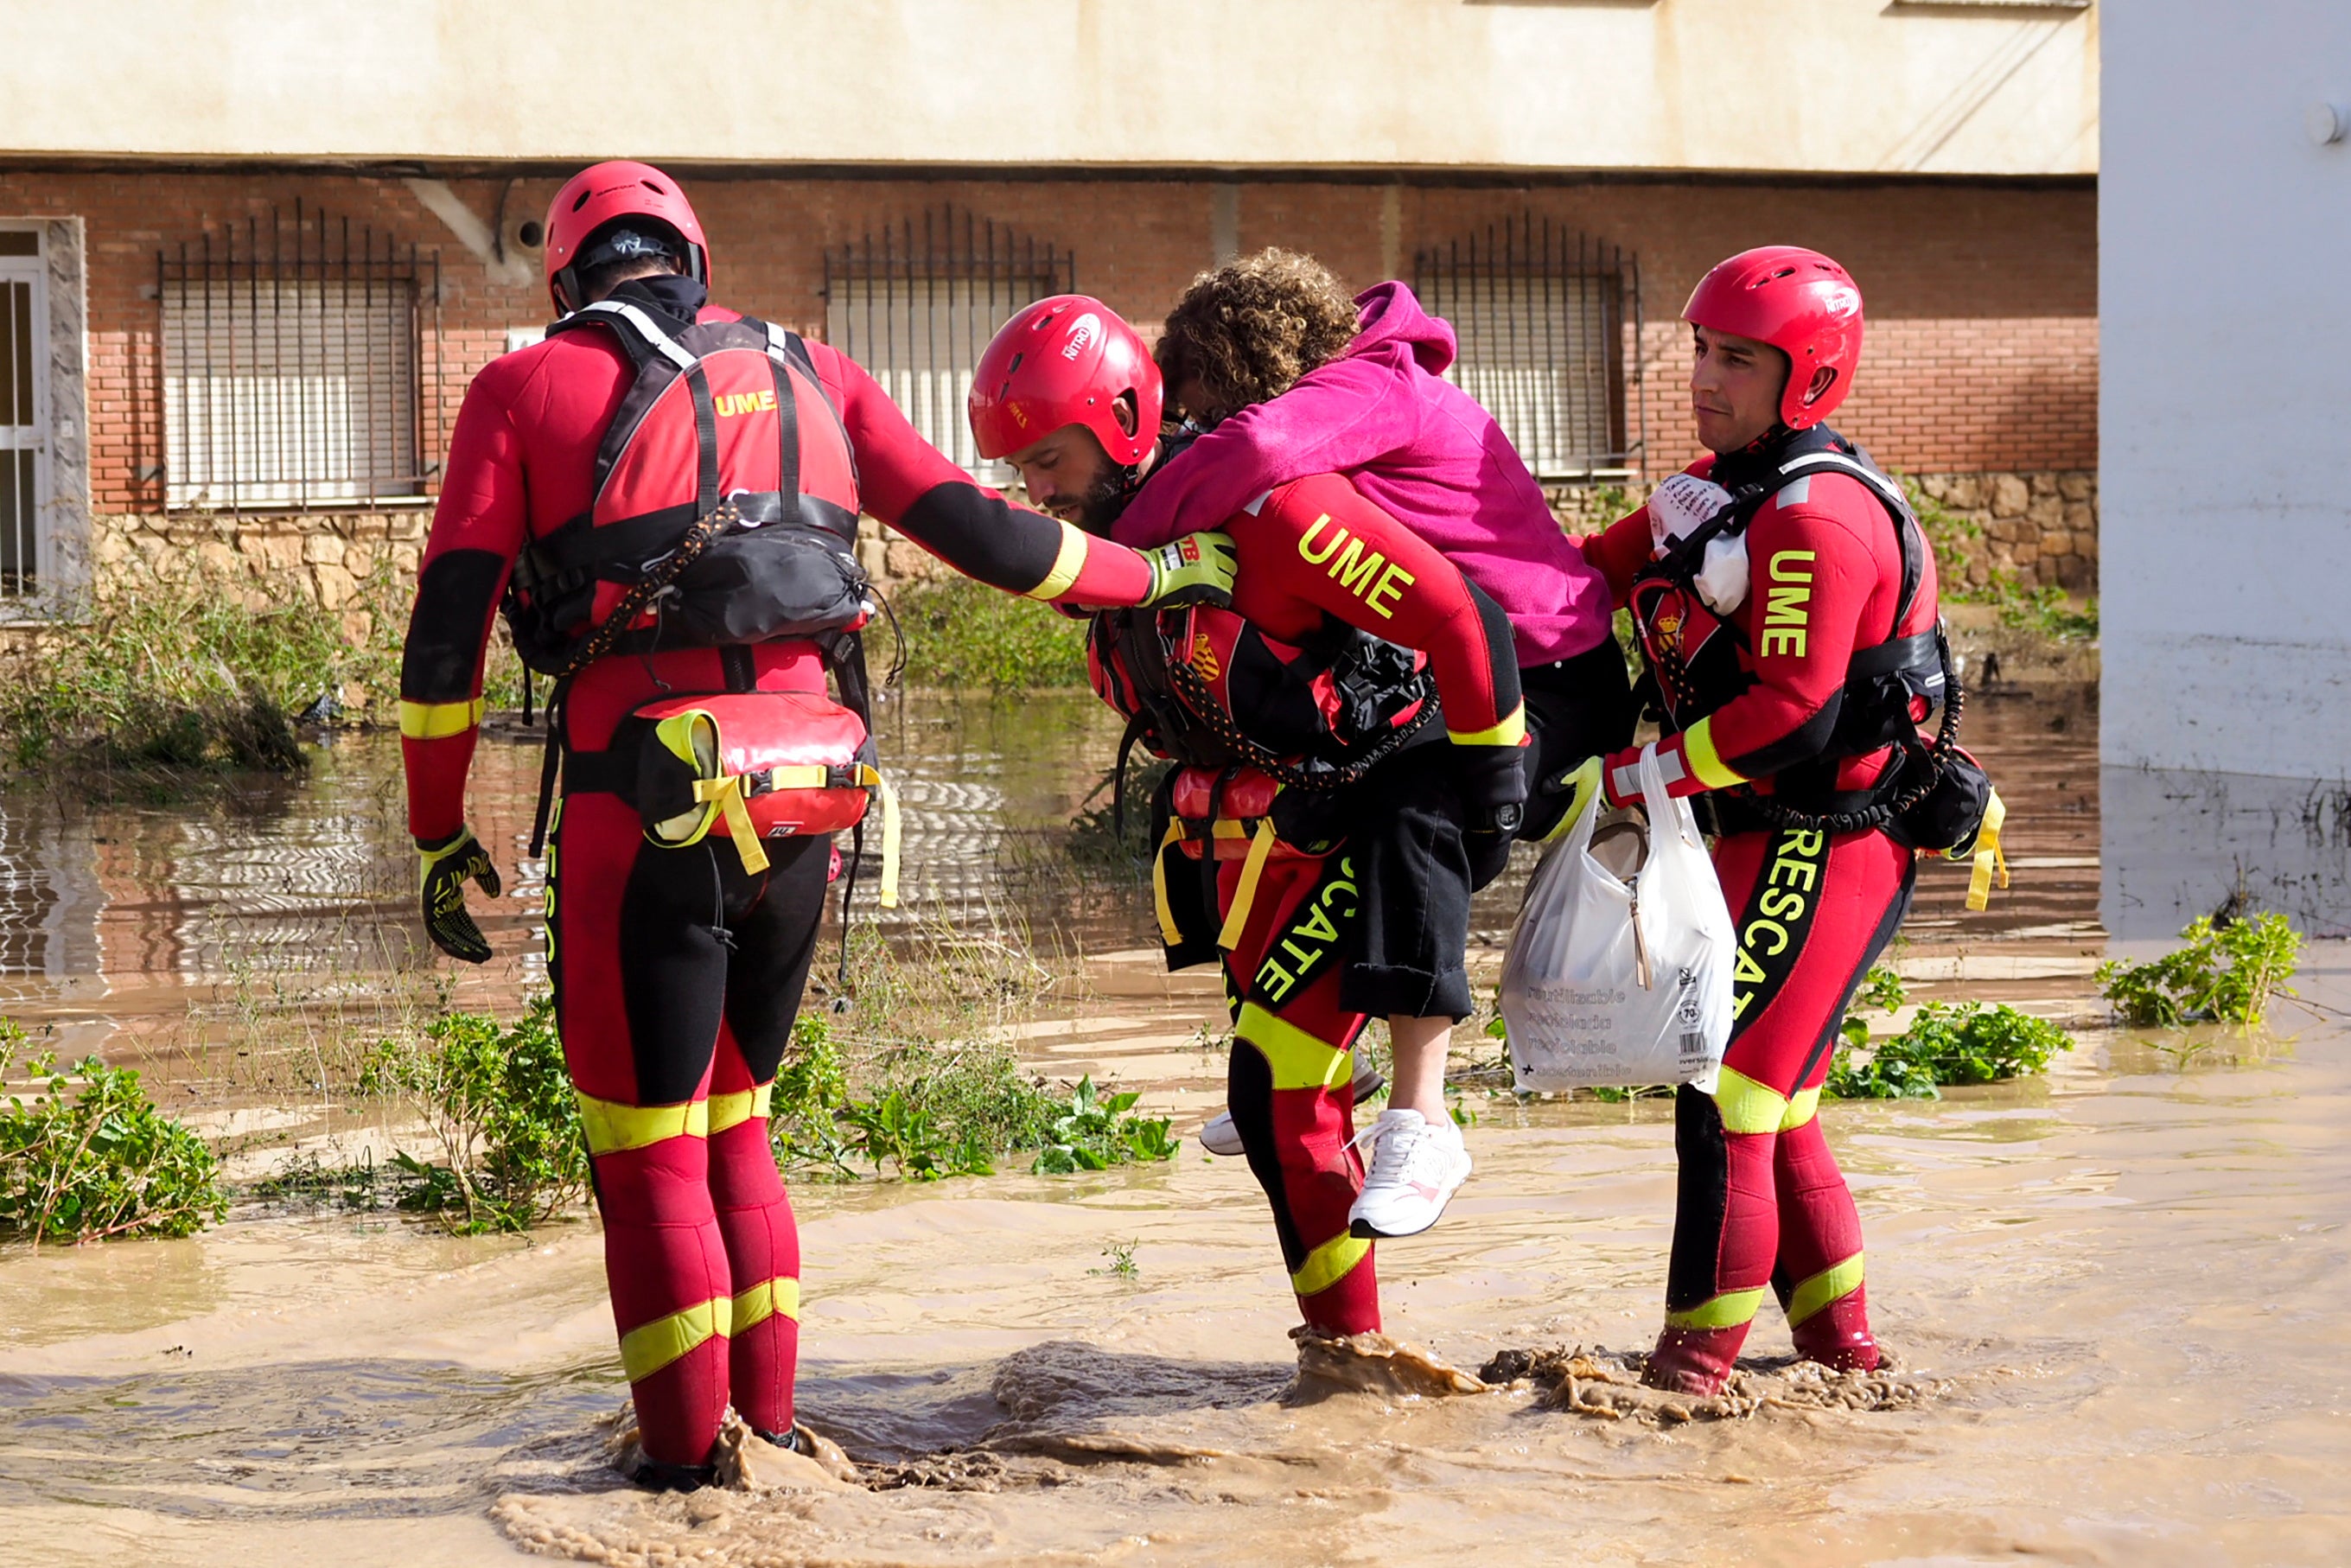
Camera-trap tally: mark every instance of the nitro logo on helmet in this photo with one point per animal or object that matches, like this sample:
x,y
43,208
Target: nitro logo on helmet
x,y
1084,333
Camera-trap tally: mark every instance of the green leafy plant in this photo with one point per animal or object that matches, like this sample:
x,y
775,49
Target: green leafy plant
x,y
1947,1043
2223,972
965,635
500,1103
84,1155
1121,1259
1093,1132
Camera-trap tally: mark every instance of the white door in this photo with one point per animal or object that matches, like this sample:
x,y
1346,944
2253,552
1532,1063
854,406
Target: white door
x,y
24,408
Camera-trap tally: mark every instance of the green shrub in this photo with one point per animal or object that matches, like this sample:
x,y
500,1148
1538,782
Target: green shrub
x,y
2225,973
98,1161
498,1100
1947,1043
963,636
178,676
930,1112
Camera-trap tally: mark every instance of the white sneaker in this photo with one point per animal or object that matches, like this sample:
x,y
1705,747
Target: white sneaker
x,y
1417,1166
1221,1138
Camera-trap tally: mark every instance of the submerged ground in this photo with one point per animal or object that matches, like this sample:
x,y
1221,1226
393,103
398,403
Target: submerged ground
x,y
2121,1288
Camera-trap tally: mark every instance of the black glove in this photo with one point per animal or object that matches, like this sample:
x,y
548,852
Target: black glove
x,y
1492,782
441,884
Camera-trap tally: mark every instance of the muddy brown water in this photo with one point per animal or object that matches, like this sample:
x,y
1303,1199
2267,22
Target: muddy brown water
x,y
2125,1282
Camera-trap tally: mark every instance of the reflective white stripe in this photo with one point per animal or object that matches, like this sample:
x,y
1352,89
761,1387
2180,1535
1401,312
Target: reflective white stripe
x,y
1625,781
1798,466
1796,492
1254,507
647,327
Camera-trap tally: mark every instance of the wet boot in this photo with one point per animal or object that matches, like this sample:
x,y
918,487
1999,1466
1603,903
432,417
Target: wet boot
x,y
1696,1362
654,1475
1838,1336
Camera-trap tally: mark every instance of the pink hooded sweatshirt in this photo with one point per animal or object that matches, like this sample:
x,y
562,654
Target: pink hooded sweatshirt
x,y
1413,444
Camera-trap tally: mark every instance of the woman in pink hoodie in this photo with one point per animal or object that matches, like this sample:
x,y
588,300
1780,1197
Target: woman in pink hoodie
x,y
1251,360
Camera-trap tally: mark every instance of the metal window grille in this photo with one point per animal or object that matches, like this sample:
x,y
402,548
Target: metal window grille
x,y
918,307
24,418
1544,316
295,364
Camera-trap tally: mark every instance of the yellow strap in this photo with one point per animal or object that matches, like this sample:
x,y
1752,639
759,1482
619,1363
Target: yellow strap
x,y
646,1350
733,1110
1245,895
889,842
1724,1311
1067,561
1988,855
767,1299
612,1126
1747,1106
1830,1285
728,793
1329,1263
1168,934
1297,1059
1510,732
436,721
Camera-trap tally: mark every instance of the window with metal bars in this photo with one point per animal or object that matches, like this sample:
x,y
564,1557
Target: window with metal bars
x,y
23,412
1546,318
301,364
916,307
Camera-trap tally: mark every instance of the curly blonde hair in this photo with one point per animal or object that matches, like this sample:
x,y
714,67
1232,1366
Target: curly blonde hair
x,y
1246,330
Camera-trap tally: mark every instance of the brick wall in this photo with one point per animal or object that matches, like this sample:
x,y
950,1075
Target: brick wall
x,y
1981,357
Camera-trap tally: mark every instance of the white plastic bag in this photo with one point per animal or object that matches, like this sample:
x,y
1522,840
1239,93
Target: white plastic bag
x,y
1620,975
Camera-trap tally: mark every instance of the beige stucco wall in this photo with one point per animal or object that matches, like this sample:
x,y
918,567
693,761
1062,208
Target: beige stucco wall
x,y
1719,85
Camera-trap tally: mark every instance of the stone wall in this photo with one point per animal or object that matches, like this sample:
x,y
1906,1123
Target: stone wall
x,y
331,556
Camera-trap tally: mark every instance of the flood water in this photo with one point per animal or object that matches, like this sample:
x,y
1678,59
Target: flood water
x,y
2123,1286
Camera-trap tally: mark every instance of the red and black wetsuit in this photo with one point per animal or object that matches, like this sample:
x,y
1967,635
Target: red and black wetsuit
x,y
677,973
1285,915
1762,1200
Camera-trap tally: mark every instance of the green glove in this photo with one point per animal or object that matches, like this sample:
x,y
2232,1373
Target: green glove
x,y
1195,569
441,882
1582,788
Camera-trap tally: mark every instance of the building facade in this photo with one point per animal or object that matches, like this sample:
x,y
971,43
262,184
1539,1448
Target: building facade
x,y
240,314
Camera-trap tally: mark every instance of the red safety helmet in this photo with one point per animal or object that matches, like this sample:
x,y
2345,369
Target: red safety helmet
x,y
598,194
1800,302
1059,362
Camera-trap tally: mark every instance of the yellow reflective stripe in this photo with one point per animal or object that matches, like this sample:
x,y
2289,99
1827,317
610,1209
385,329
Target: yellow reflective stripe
x,y
1727,1310
1299,1060
1705,765
1988,855
1747,1106
1832,1284
1245,894
728,793
434,721
733,1110
1329,1263
1802,1106
1169,934
612,1127
646,1350
1510,732
1067,561
764,1301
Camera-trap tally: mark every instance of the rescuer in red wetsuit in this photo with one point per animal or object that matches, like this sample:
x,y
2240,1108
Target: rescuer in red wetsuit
x,y
1756,681
677,971
1069,396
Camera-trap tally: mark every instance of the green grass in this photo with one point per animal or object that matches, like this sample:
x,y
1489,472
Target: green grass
x,y
963,636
